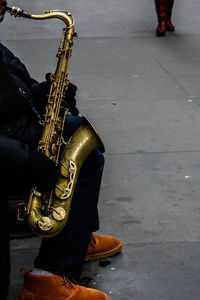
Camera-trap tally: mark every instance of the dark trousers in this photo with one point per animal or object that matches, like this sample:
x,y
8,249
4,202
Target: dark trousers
x,y
64,254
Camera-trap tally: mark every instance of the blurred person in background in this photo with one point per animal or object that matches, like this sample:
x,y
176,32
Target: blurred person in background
x,y
164,14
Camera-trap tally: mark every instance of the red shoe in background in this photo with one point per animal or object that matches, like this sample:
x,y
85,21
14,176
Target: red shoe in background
x,y
164,13
161,29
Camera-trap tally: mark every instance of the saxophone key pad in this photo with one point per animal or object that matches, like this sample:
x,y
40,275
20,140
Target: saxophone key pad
x,y
59,213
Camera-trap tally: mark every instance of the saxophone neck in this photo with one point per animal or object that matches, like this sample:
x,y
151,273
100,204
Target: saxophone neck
x,y
63,15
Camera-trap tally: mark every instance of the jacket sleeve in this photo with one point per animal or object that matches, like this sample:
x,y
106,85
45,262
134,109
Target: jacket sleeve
x,y
39,90
7,83
8,93
10,63
14,155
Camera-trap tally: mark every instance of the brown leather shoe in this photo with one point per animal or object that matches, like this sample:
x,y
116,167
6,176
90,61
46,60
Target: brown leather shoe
x,y
53,287
102,246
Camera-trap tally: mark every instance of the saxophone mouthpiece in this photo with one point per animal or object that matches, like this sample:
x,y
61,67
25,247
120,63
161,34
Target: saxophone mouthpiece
x,y
18,12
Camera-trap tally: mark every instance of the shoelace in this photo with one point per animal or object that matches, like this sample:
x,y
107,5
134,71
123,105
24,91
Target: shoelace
x,y
67,283
92,240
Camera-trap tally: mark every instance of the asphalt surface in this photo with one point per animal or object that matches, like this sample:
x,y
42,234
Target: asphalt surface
x,y
142,93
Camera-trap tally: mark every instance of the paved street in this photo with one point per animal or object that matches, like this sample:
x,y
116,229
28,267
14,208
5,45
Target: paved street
x,y
142,93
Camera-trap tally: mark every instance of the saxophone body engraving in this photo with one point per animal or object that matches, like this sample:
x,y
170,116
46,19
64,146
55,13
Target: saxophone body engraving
x,y
47,214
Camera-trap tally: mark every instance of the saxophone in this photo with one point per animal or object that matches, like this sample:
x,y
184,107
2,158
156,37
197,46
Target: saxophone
x,y
47,214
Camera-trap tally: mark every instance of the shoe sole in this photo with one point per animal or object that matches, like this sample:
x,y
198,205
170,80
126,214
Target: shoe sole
x,y
158,34
103,255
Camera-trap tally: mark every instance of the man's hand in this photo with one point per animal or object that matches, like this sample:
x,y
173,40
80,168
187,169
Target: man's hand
x,y
42,171
3,5
69,98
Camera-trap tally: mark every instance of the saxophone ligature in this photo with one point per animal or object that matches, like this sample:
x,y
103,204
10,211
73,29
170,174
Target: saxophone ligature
x,y
47,214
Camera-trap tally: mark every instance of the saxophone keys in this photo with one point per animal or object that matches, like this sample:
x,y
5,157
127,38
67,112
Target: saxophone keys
x,y
45,224
37,193
75,34
59,213
61,191
21,211
54,149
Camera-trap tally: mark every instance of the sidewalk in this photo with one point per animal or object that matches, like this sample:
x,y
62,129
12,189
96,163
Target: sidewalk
x,y
142,94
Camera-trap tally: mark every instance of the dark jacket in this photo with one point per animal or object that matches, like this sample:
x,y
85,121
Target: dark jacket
x,y
22,100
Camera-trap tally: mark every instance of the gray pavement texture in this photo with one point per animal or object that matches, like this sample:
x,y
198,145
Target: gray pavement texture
x,y
142,93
